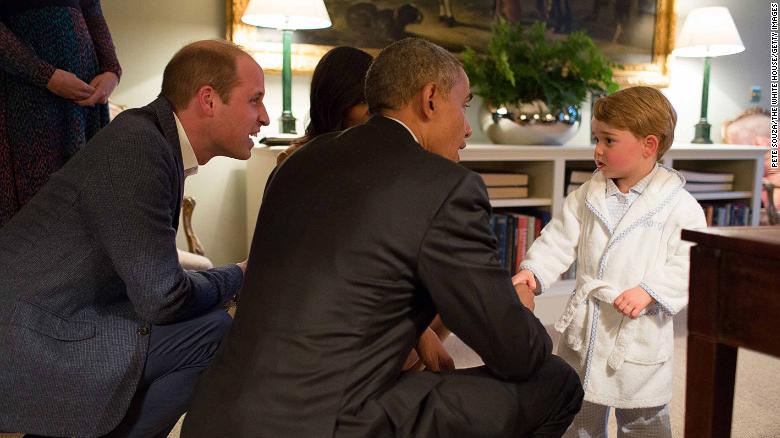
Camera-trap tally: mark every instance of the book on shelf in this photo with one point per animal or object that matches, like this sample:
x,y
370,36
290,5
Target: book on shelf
x,y
507,192
727,214
515,232
521,240
699,187
504,179
579,176
710,177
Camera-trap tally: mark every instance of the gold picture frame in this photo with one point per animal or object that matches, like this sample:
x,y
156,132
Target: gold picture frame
x,y
268,53
268,50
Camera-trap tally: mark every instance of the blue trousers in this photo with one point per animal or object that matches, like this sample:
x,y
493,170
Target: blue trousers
x,y
178,354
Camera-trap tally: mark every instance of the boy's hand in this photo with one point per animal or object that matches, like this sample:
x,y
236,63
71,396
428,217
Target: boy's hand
x,y
525,277
632,301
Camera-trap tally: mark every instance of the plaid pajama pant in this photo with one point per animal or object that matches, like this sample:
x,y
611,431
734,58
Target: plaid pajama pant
x,y
591,422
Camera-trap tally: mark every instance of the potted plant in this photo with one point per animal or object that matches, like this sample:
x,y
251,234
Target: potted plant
x,y
533,84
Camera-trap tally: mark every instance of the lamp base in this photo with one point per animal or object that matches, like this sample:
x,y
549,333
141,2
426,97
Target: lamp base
x,y
287,123
702,134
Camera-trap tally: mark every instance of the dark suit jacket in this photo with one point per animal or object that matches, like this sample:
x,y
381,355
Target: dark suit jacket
x,y
85,269
361,238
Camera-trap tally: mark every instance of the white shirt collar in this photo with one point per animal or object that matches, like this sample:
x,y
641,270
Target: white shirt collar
x,y
637,188
407,128
188,159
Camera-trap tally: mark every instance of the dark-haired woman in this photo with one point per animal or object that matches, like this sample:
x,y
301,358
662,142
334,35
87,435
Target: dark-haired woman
x,y
336,100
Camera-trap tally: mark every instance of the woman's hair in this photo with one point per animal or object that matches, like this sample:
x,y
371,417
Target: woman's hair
x,y
336,86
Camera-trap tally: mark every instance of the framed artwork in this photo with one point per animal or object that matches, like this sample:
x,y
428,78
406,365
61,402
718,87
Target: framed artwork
x,y
637,34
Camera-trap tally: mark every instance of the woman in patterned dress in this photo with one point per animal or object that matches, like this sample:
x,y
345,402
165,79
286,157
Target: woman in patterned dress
x,y
57,68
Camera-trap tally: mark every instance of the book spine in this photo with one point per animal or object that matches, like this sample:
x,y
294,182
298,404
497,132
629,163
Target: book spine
x,y
501,225
510,243
522,225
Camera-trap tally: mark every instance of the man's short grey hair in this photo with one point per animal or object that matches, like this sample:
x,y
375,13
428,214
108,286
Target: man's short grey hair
x,y
403,68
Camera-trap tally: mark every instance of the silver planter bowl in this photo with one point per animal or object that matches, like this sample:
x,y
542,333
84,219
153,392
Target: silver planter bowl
x,y
530,124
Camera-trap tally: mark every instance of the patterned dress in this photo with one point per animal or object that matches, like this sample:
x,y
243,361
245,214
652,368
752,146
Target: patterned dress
x,y
40,131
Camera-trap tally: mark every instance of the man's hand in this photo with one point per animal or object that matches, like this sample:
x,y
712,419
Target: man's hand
x,y
412,362
67,85
525,295
525,277
242,265
104,85
431,353
632,301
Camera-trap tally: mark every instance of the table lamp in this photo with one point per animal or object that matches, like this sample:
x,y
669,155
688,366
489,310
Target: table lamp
x,y
707,33
287,15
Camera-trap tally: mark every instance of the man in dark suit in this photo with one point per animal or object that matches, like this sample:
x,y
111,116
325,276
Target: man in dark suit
x,y
362,237
101,330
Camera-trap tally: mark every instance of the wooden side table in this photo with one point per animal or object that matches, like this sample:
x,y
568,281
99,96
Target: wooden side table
x,y
734,302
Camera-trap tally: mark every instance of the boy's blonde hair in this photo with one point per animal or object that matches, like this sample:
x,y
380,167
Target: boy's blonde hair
x,y
641,110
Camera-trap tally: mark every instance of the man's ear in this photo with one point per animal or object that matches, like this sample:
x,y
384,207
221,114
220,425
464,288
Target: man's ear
x,y
651,146
427,96
204,99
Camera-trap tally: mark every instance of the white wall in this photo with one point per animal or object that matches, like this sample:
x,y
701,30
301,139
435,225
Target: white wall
x,y
147,33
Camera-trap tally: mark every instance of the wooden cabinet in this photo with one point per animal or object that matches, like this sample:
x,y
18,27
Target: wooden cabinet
x,y
734,302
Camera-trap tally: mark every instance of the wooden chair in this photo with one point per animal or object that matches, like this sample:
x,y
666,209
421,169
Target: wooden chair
x,y
195,247
194,258
193,243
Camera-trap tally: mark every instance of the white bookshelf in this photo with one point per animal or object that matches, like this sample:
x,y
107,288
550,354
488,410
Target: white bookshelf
x,y
520,202
547,167
719,196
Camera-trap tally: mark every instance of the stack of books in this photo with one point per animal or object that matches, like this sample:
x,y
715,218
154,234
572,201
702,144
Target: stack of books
x,y
726,214
703,182
515,232
576,178
506,185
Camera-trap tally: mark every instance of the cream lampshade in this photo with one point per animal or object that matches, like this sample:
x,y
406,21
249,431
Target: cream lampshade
x,y
287,15
707,33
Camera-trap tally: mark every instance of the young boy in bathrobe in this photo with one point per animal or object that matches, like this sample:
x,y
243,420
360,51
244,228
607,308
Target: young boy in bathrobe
x,y
623,229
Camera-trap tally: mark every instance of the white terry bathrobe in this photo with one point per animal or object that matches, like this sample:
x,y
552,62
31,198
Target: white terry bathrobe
x,y
624,363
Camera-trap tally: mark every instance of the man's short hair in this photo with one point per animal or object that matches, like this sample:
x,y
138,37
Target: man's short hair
x,y
208,62
751,123
641,110
403,68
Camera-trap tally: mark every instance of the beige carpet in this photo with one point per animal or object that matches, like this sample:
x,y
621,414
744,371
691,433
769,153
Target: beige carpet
x,y
756,399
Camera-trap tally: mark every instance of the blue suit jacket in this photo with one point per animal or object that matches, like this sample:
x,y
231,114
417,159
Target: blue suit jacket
x,y
86,268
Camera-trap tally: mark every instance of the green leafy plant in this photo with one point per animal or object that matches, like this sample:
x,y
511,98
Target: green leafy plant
x,y
524,64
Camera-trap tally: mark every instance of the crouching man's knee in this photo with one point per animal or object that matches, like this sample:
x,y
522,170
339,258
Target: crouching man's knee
x,y
568,393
